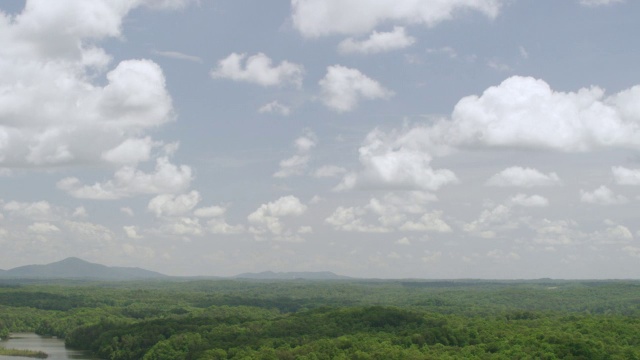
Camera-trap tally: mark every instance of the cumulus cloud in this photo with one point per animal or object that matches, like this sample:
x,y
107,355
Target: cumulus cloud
x,y
80,212
182,226
127,210
427,222
43,228
258,69
276,108
596,3
342,88
498,254
216,223
221,227
378,42
267,219
523,177
490,221
602,196
131,151
523,112
173,205
297,164
132,232
625,176
128,181
520,113
613,234
209,212
529,201
556,232
314,18
88,230
396,160
401,211
39,210
48,56
329,171
351,219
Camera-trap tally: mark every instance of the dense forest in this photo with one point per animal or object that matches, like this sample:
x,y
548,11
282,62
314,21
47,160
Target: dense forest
x,y
350,319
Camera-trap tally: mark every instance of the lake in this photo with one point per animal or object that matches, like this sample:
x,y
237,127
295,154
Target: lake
x,y
52,346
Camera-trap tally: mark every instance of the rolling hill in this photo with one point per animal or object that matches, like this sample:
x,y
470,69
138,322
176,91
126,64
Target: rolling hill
x,y
74,268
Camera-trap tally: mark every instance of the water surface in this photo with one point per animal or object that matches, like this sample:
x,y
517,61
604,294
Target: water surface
x,y
52,346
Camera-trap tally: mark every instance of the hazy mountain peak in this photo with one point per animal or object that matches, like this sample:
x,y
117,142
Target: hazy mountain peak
x,y
76,268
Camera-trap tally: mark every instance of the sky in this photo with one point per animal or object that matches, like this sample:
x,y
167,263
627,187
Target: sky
x,y
494,139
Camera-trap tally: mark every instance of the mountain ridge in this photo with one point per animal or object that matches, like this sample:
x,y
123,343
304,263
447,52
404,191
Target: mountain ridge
x,y
75,268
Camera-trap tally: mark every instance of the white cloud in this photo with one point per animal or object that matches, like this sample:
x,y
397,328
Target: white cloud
x,y
258,69
403,241
523,177
182,226
127,211
216,224
450,52
529,201
350,219
397,160
614,234
47,57
80,212
633,251
132,232
129,181
378,42
220,226
40,210
498,254
314,18
490,222
342,88
602,196
173,205
88,230
329,171
275,107
596,3
428,222
297,164
267,218
131,151
43,228
401,211
209,212
556,232
178,55
625,176
523,112
431,256
523,52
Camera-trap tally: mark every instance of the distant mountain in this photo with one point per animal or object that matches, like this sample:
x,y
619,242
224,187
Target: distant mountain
x,y
305,275
74,268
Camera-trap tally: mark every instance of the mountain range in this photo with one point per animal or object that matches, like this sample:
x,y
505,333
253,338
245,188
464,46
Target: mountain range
x,y
74,268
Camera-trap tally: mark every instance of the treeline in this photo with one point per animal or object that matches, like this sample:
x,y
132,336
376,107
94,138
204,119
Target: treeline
x,y
333,320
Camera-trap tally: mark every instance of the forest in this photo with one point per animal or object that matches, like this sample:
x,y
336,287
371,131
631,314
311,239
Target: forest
x,y
338,319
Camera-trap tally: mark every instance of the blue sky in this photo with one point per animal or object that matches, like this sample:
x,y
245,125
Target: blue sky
x,y
392,139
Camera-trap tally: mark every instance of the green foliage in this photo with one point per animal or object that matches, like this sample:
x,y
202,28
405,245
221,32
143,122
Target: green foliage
x,y
333,319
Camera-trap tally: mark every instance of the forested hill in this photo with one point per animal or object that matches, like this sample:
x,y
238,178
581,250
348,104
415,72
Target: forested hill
x,y
306,275
74,268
